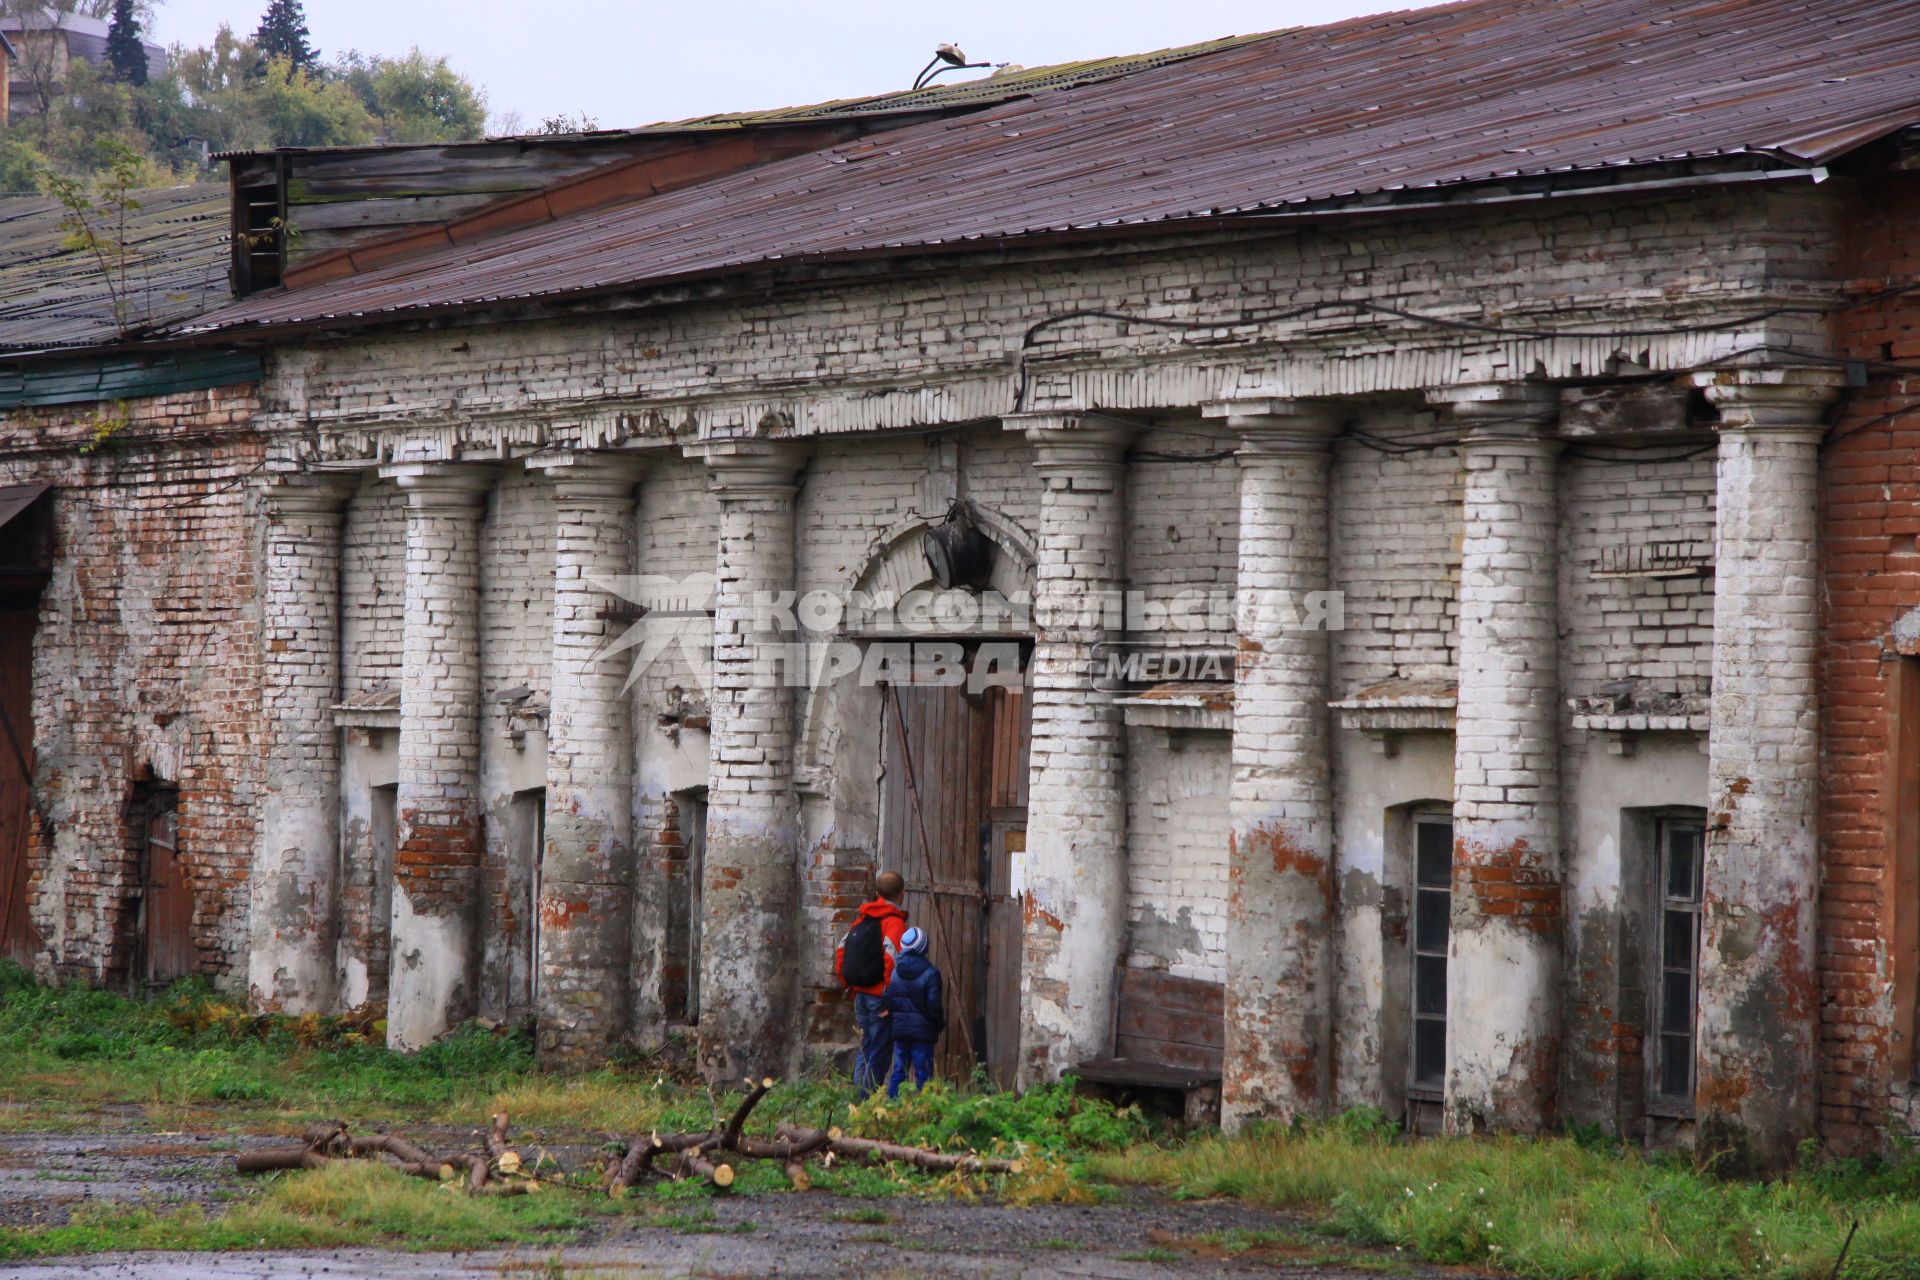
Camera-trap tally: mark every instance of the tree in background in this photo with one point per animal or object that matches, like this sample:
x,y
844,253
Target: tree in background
x,y
289,108
417,98
126,56
73,118
283,34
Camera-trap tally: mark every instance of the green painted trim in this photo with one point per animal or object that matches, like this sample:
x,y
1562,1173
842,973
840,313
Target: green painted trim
x,y
124,377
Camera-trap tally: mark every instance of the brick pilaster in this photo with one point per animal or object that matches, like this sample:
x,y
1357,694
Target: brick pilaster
x,y
1076,859
1279,944
1503,962
749,889
293,887
432,985
1758,1023
586,874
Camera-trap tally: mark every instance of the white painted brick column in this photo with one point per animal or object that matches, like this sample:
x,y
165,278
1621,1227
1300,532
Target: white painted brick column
x,y
436,865
750,885
1759,1013
1503,960
1279,943
293,885
586,874
1076,860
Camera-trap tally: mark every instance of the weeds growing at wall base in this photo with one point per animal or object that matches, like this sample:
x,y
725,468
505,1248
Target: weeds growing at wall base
x,y
1554,1208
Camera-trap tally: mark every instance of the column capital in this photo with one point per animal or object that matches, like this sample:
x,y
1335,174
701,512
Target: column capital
x,y
1066,443
1510,415
1788,400
1277,426
440,484
1073,426
740,469
309,494
590,476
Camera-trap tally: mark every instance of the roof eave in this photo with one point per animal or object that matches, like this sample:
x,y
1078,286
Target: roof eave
x,y
1264,219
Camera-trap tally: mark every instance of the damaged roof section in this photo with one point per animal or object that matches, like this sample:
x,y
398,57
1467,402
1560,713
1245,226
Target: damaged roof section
x,y
55,295
1471,93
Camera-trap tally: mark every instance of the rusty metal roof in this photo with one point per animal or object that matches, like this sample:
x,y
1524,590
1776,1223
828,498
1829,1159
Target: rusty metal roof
x,y
1460,93
944,97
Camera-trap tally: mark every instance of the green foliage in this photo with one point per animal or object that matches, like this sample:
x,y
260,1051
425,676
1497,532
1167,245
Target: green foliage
x,y
187,1047
126,57
1048,1120
282,37
417,98
1555,1208
349,1202
21,165
96,222
233,94
290,107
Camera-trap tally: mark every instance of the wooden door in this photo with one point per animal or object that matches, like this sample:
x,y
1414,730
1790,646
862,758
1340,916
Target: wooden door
x,y
953,811
167,941
17,938
934,797
1010,729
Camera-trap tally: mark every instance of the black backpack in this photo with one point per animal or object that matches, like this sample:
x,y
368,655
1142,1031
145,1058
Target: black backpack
x,y
863,954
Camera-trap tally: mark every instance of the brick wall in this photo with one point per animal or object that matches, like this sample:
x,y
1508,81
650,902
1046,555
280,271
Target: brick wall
x,y
373,577
1870,516
146,665
1178,829
1396,556
1182,524
1656,631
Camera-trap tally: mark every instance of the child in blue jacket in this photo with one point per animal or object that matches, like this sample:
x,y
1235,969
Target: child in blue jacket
x,y
916,1011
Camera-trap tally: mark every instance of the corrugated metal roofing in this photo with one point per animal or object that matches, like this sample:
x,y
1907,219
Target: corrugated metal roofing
x,y
1460,93
941,96
54,296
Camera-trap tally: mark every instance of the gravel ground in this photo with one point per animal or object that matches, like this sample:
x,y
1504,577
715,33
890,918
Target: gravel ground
x,y
43,1177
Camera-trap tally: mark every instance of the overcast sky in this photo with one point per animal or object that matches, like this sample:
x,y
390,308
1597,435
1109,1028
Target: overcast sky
x,y
636,63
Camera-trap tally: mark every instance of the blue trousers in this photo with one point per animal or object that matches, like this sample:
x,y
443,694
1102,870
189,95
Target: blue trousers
x,y
876,1043
917,1052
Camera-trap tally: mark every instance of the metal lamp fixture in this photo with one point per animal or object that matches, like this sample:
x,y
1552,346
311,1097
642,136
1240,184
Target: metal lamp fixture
x,y
957,552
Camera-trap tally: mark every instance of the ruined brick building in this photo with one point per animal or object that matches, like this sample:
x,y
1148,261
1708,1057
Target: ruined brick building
x,y
1457,393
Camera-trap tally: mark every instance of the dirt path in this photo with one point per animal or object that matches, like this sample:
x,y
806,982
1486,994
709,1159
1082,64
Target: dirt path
x,y
43,1177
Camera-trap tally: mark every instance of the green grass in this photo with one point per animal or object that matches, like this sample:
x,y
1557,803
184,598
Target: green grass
x,y
188,1059
348,1203
1554,1208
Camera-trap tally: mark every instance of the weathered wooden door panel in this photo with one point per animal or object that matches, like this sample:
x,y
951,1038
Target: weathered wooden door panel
x,y
1010,728
953,812
167,942
935,795
17,938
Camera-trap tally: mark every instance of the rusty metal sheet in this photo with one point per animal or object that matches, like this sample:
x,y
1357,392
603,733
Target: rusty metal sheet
x,y
1405,101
